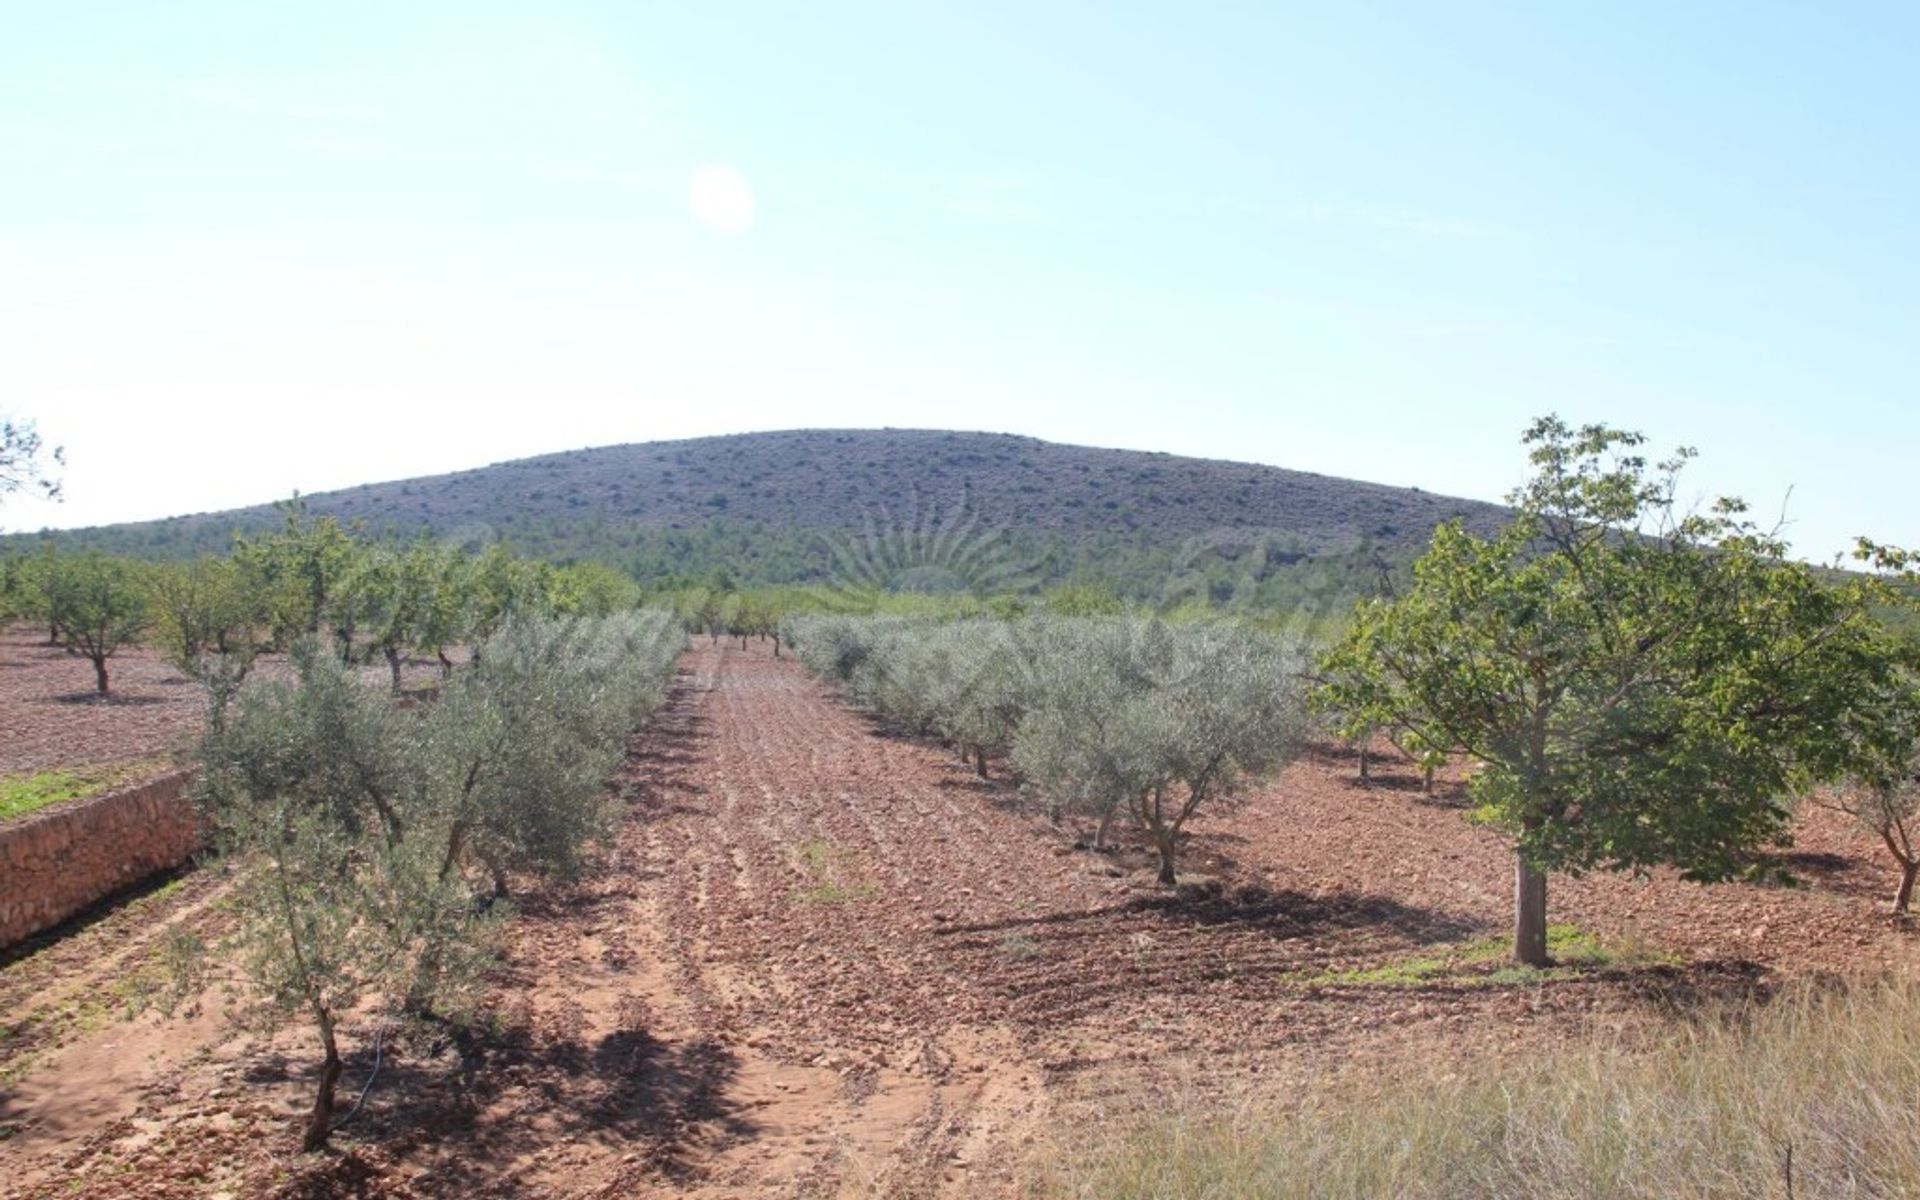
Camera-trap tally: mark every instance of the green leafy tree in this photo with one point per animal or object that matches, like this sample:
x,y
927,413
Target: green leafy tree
x,y
98,606
593,589
201,607
209,623
1638,685
389,599
23,595
448,616
297,570
502,587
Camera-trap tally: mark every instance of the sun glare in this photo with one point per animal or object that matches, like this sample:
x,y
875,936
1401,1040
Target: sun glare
x,y
721,199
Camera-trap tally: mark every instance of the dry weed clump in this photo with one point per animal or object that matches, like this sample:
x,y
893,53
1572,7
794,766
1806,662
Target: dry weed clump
x,y
1811,1095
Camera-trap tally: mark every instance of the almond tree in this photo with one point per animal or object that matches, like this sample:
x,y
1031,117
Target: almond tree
x,y
297,569
1639,685
200,607
98,606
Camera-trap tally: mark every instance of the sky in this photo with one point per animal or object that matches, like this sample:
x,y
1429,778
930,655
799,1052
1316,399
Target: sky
x,y
244,251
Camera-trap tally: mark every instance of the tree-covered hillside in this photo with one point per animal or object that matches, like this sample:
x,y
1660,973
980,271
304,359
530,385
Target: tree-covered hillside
x,y
791,507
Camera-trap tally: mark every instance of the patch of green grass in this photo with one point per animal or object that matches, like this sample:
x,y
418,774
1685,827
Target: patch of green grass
x,y
823,863
834,893
22,794
815,854
1572,949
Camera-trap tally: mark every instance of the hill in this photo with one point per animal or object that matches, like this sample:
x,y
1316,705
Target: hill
x,y
759,505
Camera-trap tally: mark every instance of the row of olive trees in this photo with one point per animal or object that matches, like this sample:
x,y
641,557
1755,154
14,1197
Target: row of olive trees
x,y
374,838
1102,716
309,577
1634,684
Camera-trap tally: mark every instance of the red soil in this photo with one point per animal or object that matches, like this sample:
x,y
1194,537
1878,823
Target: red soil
x,y
51,716
820,959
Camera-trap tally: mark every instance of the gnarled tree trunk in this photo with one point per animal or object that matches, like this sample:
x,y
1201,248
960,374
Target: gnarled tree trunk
x,y
320,1121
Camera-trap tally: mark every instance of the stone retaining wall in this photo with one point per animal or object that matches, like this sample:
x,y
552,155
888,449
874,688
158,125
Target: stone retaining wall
x,y
68,857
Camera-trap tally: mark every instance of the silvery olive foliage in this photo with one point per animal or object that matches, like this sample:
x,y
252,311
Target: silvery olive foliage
x,y
374,836
1102,716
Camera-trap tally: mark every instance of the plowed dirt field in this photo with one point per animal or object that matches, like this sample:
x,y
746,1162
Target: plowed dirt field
x,y
824,960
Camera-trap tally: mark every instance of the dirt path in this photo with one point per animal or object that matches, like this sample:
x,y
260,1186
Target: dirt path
x,y
821,960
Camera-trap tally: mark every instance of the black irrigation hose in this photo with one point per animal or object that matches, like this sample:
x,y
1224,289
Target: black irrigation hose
x,y
379,1039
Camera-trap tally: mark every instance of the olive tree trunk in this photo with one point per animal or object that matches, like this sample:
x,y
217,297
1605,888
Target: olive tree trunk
x,y
320,1121
1166,848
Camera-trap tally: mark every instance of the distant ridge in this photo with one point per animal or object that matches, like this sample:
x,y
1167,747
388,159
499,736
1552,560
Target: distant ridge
x,y
602,501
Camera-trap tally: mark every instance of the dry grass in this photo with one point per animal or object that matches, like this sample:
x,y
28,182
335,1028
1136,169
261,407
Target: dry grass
x,y
1828,1081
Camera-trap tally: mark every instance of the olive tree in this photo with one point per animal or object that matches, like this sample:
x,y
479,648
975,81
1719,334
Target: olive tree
x,y
1158,721
1103,716
988,695
1638,685
367,829
1231,710
1079,743
526,740
314,782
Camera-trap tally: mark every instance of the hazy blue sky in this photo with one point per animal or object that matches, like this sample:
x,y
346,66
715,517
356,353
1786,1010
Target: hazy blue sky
x,y
243,252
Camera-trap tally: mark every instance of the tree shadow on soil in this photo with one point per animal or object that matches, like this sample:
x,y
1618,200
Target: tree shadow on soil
x,y
474,1107
1841,874
1282,914
110,700
661,757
